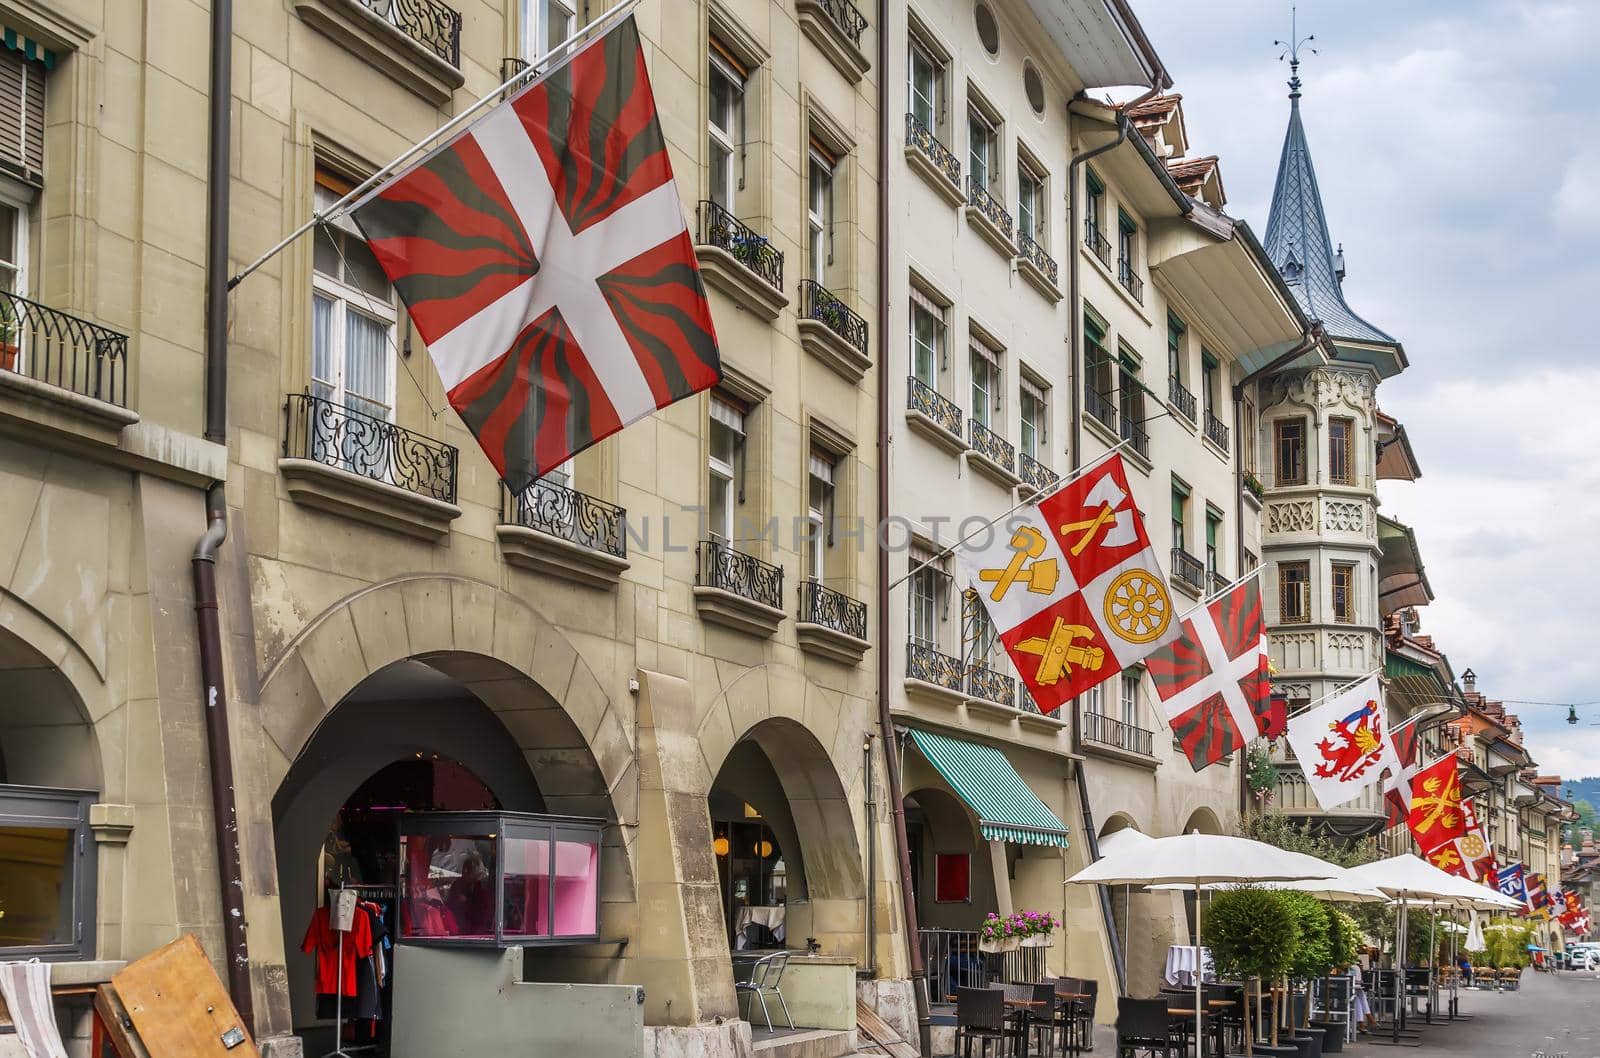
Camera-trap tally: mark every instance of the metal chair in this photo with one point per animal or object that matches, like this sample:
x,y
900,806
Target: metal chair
x,y
1066,1011
766,977
981,1015
1041,1016
1143,1025
1090,987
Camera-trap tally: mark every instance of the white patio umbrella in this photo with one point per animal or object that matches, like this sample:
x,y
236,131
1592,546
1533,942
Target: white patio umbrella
x,y
1196,861
1112,842
1340,886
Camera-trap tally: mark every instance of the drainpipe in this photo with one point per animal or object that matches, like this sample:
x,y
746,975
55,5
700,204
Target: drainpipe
x,y
891,766
869,947
214,702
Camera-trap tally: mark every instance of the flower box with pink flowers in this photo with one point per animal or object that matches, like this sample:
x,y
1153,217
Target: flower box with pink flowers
x,y
1020,929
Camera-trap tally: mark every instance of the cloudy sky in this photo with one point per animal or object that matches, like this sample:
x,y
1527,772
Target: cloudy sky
x,y
1458,153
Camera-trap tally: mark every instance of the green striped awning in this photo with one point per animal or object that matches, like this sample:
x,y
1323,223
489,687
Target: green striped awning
x,y
1007,810
27,46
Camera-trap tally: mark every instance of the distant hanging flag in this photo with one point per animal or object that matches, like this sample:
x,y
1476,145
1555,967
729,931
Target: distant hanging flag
x,y
1538,896
1343,744
1397,782
1212,679
1073,586
1436,815
1512,881
544,258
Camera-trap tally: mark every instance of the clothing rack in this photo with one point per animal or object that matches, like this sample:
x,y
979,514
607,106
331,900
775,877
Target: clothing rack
x,y
339,1049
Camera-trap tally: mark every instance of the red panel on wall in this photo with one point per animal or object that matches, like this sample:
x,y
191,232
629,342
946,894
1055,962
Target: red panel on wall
x,y
952,877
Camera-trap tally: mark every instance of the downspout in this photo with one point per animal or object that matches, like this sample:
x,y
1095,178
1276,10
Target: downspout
x,y
891,765
869,947
214,701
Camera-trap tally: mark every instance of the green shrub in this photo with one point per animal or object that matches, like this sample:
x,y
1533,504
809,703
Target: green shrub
x,y
1251,933
1344,937
1313,954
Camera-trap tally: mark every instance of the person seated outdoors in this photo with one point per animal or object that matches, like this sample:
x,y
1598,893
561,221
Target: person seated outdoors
x,y
1360,1008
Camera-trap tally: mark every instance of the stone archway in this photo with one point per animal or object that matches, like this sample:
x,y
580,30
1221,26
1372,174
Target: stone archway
x,y
52,700
1204,820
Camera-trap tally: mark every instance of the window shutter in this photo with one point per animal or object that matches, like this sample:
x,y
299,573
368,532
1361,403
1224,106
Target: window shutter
x,y
21,115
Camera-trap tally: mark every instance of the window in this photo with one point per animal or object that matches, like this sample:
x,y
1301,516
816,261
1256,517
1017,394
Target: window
x,y
724,466
1250,562
987,394
1031,199
725,126
352,315
47,874
1127,242
22,89
1344,592
1341,451
545,24
1294,593
1035,418
1208,382
1289,447
1129,686
1094,205
1094,699
819,514
981,638
928,588
1175,333
1131,400
927,339
926,86
1213,539
819,216
1098,368
983,149
1180,514
1247,418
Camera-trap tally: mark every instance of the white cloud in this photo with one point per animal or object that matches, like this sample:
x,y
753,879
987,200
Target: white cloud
x,y
1577,200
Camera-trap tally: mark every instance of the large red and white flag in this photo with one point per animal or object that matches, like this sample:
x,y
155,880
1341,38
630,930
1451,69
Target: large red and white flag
x,y
1436,804
1397,781
544,258
1343,744
1213,680
1470,855
1072,586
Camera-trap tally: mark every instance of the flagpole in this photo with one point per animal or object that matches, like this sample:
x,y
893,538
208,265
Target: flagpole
x,y
1037,497
533,68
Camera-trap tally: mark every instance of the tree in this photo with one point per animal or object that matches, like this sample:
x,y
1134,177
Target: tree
x,y
1252,934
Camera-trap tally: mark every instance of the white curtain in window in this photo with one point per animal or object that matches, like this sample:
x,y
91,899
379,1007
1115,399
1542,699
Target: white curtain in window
x,y
366,364
323,373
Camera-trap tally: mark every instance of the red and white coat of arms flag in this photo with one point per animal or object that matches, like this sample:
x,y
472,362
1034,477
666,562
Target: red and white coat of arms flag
x,y
1469,855
1343,745
1072,586
1213,679
1436,806
544,258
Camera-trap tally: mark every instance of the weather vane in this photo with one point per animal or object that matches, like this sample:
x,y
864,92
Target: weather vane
x,y
1291,49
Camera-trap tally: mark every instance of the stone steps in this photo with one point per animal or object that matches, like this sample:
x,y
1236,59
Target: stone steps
x,y
808,1043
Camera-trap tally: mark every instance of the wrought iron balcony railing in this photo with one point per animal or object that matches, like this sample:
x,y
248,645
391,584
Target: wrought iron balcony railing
x,y
1035,473
817,302
941,409
1188,570
1216,431
1034,254
567,513
846,18
993,210
1098,244
991,445
744,575
1099,405
1025,702
722,229
1180,398
61,350
1136,435
319,429
920,137
991,686
1128,276
1215,582
431,24
930,666
832,609
1097,727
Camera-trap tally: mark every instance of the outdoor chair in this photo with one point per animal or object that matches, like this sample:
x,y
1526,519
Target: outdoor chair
x,y
1230,1018
1039,1020
1085,1012
1334,1007
981,1015
1143,1027
1067,1011
766,978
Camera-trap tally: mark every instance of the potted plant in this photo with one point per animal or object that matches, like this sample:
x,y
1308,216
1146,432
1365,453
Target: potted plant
x,y
8,336
1252,485
1252,935
1312,956
1020,929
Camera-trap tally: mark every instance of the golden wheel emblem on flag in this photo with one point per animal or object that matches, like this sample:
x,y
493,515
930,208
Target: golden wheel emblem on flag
x,y
1473,847
1137,606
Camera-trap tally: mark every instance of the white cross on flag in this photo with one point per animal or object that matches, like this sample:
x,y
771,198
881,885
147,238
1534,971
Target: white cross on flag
x,y
544,258
1343,744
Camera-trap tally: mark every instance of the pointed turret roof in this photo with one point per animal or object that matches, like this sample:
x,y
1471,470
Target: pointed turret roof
x,y
1297,237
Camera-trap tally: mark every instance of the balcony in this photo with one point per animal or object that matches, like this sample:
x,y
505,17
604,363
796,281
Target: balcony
x,y
992,454
367,468
1100,407
836,27
559,531
934,415
1099,730
990,216
934,675
740,262
1180,398
832,333
988,686
936,162
831,624
61,374
1037,267
1035,475
737,590
415,42
1188,572
1097,243
1128,276
1137,436
1215,582
1292,796
1216,431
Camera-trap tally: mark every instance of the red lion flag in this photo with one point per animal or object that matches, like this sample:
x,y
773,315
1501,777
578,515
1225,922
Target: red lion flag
x,y
543,256
1213,678
1343,744
1436,814
1073,586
